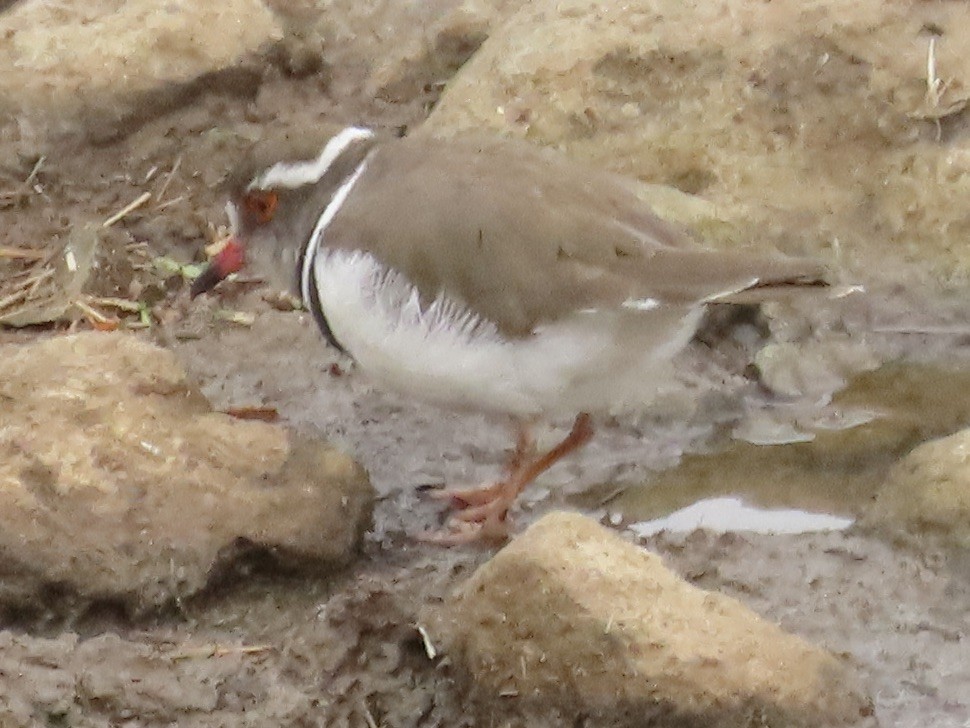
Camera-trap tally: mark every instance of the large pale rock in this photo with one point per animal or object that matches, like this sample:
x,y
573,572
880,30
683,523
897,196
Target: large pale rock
x,y
571,614
814,368
810,126
117,481
928,492
73,65
404,47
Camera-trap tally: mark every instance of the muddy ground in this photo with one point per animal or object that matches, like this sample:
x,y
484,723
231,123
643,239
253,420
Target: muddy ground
x,y
268,649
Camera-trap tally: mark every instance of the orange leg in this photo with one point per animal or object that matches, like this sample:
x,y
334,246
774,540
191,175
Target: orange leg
x,y
483,513
525,446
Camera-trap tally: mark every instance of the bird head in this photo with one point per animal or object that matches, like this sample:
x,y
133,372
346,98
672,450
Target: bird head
x,y
275,206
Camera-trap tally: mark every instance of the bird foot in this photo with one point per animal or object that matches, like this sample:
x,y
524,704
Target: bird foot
x,y
477,505
459,533
462,498
480,515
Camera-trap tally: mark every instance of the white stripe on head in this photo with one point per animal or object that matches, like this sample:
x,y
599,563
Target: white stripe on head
x,y
291,175
316,237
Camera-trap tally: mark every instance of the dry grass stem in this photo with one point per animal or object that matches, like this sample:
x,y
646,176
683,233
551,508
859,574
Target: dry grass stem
x,y
261,414
168,178
220,651
928,329
34,281
22,253
241,318
169,203
934,86
13,298
123,304
92,313
28,286
25,187
429,648
34,171
127,209
371,723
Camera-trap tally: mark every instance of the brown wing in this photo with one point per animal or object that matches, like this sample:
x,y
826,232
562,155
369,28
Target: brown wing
x,y
525,237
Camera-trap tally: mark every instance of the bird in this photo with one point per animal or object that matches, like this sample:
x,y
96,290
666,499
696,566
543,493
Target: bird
x,y
487,274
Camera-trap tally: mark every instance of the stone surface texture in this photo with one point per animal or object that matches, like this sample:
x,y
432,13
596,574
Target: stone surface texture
x,y
118,481
71,65
569,612
403,46
813,127
102,680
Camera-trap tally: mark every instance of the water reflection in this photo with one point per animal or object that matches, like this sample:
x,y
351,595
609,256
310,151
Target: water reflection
x,y
838,471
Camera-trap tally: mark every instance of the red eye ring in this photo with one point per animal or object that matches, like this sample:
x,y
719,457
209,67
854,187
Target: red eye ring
x,y
261,205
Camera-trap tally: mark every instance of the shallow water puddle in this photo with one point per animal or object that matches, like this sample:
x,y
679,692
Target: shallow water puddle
x,y
836,473
729,513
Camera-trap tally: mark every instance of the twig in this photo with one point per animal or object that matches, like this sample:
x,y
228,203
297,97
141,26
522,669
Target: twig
x,y
92,313
25,289
53,253
35,281
240,318
262,414
429,648
13,298
33,172
371,723
934,107
933,83
927,329
220,651
130,207
169,177
122,304
169,203
24,189
22,253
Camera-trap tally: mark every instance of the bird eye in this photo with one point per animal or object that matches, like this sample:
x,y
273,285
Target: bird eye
x,y
261,205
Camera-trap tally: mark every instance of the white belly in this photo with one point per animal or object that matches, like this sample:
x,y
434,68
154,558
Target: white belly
x,y
593,361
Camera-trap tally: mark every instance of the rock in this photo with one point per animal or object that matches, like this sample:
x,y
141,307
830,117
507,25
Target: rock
x,y
813,368
810,127
927,493
118,482
95,65
448,39
570,614
405,49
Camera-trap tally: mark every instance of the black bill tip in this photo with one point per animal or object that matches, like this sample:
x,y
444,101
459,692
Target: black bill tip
x,y
206,281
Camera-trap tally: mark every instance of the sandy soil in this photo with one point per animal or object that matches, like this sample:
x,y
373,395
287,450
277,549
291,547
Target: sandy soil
x,y
346,652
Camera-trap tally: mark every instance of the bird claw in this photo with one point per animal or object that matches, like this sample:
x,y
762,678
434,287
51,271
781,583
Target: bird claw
x,y
479,515
482,514
462,498
495,509
460,533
